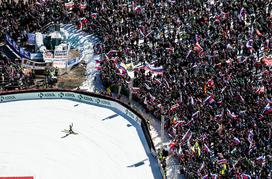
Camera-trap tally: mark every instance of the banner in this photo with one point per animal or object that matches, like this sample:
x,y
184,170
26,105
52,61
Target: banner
x,y
31,38
61,54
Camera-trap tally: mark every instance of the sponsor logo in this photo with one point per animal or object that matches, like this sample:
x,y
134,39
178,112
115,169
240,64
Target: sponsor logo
x,y
130,114
61,95
40,95
7,98
46,95
97,100
85,98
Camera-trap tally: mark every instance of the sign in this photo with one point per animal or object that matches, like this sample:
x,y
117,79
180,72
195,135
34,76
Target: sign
x,y
36,56
61,54
59,63
31,38
7,98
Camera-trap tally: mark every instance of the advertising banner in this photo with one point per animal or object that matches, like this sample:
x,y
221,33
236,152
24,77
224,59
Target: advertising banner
x,y
59,63
31,38
61,54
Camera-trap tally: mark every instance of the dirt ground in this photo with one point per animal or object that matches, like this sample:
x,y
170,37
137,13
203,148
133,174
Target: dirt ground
x,y
73,79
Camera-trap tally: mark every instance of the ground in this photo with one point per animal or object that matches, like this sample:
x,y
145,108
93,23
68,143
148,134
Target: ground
x,y
74,78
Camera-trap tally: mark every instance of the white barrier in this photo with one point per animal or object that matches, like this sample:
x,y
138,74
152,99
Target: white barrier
x,y
71,96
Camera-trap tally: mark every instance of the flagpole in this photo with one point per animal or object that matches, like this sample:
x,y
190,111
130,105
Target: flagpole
x,y
162,130
130,92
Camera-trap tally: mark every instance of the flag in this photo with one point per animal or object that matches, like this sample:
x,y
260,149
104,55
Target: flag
x,y
206,149
210,100
260,90
180,124
192,100
147,86
196,114
138,9
198,48
196,149
245,176
236,141
172,1
112,53
83,5
94,15
166,82
155,70
175,119
157,81
241,15
152,98
213,176
122,68
260,159
188,54
145,101
170,50
109,89
267,109
249,44
135,90
98,68
186,137
97,61
232,115
259,33
197,37
31,38
250,136
222,161
172,145
210,83
174,107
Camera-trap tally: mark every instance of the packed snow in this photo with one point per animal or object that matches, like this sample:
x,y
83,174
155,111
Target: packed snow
x,y
107,145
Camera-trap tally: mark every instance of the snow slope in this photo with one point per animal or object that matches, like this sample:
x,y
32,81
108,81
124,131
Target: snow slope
x,y
108,145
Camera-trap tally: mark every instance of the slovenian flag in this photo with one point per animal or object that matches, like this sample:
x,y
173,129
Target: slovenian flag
x,y
156,70
210,100
122,68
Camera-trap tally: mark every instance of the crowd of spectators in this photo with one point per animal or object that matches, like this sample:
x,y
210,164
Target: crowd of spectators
x,y
214,90
12,76
17,19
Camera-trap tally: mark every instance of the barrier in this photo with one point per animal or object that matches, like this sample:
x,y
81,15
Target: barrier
x,y
21,51
86,97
